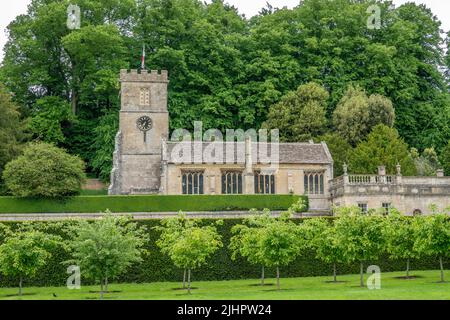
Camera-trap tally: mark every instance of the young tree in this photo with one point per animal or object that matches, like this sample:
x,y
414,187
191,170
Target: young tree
x,y
361,234
382,147
44,171
281,241
171,230
300,115
433,237
400,234
194,246
25,251
323,239
105,248
246,240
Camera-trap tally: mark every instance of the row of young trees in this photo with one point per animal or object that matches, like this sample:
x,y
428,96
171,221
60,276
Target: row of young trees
x,y
352,237
103,249
106,248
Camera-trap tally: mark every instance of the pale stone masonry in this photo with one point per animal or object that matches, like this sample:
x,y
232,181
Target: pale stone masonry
x,y
411,195
145,162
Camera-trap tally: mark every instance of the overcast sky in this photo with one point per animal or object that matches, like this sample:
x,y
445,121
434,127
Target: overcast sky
x,y
10,9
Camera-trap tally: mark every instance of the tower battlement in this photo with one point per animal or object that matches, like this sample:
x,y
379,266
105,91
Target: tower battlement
x,y
144,75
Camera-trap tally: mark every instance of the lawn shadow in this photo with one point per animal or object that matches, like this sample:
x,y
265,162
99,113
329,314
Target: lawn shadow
x,y
16,295
98,298
336,282
279,290
408,278
259,285
106,292
184,289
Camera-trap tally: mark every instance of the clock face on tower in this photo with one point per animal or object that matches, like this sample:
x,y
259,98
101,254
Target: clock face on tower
x,y
144,123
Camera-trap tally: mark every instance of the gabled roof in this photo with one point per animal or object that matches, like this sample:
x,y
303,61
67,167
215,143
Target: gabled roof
x,y
234,152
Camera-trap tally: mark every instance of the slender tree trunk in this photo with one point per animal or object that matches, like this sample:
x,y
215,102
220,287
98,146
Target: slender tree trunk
x,y
20,286
442,269
262,276
189,281
407,268
334,272
106,285
184,278
101,289
278,278
361,274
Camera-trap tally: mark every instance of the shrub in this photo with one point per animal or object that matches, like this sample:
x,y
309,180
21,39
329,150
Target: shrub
x,y
44,171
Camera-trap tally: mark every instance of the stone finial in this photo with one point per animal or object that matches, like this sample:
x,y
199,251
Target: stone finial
x,y
381,170
345,166
440,173
399,169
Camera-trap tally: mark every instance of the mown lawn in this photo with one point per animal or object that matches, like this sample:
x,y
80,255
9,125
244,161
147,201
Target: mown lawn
x,y
425,286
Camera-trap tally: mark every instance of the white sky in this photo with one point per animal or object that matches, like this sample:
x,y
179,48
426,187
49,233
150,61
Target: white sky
x,y
10,9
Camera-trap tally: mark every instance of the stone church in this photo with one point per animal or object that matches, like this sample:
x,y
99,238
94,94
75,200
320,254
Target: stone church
x,y
146,162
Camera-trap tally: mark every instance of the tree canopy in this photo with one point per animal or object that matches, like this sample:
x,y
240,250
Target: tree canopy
x,y
230,71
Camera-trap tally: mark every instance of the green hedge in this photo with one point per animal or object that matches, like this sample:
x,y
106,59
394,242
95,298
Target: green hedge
x,y
153,203
158,267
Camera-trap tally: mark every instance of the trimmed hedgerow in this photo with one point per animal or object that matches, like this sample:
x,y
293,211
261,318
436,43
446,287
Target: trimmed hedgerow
x,y
157,267
153,203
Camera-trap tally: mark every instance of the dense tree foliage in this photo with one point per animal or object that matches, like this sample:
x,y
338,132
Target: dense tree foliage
x,y
11,130
227,70
300,115
445,159
357,114
383,146
339,148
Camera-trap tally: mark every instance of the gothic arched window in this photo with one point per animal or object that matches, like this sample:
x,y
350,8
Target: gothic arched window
x,y
231,182
314,182
264,183
192,182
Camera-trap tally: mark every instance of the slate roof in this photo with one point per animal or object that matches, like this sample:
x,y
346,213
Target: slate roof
x,y
234,152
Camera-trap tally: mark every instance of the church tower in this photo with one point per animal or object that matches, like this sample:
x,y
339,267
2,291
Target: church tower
x,y
144,123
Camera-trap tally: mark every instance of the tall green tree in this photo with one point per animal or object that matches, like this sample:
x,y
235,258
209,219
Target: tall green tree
x,y
300,115
357,114
49,118
445,159
382,147
340,150
11,130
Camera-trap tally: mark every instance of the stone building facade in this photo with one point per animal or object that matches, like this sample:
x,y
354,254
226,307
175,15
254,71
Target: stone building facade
x,y
146,162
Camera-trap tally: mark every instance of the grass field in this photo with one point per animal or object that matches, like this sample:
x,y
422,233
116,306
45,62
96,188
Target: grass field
x,y
424,286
